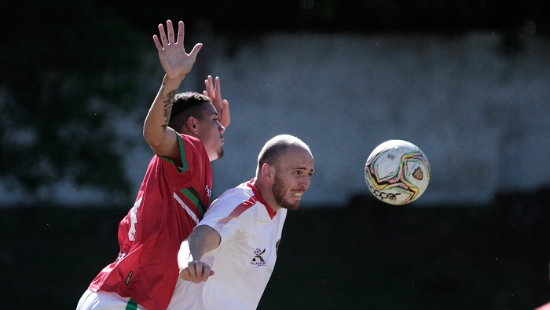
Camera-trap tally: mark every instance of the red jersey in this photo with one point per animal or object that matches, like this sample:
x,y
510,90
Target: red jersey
x,y
169,204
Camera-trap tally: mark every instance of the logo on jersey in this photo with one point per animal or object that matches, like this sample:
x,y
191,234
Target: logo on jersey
x,y
128,278
258,260
208,191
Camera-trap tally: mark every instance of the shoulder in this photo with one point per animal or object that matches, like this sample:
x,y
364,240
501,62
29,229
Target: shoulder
x,y
190,140
234,197
234,212
192,151
233,203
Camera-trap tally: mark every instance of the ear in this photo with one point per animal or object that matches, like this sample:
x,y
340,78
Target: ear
x,y
192,125
268,172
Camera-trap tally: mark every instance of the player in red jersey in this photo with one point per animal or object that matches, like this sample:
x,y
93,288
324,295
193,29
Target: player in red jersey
x,y
185,132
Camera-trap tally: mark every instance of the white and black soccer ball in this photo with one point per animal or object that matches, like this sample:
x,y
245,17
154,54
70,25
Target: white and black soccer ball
x,y
397,172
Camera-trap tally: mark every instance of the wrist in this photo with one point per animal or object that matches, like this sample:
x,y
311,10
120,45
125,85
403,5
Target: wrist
x,y
173,80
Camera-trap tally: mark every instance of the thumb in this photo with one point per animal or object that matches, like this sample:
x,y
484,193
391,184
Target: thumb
x,y
195,50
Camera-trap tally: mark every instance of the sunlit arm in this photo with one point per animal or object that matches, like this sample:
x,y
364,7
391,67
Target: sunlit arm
x,y
202,240
177,63
156,132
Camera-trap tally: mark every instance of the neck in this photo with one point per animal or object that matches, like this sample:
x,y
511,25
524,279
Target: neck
x,y
264,189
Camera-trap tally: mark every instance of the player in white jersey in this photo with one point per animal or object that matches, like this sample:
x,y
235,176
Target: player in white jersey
x,y
240,233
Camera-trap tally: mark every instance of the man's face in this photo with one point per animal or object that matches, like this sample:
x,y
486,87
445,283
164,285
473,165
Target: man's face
x,y
292,178
211,133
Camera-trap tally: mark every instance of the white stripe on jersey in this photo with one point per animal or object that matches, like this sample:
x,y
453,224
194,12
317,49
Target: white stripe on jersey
x,y
186,208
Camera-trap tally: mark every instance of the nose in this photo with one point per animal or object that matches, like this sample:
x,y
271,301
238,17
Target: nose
x,y
222,129
304,184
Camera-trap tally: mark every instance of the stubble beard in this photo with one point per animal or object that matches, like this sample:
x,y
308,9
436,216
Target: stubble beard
x,y
279,192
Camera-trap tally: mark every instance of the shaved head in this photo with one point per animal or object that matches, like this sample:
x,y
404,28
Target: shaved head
x,y
276,147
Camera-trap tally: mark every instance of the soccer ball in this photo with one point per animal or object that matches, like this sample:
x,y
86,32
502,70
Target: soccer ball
x,y
397,172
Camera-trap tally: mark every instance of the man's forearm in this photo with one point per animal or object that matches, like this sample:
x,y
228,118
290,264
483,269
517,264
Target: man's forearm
x,y
202,240
156,121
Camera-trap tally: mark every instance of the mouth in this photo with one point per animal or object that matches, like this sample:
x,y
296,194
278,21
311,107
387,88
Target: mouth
x,y
297,195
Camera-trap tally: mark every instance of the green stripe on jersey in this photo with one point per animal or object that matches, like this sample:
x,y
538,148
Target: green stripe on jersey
x,y
194,196
131,305
182,152
183,168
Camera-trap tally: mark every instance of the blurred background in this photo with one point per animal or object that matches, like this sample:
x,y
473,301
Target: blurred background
x,y
466,81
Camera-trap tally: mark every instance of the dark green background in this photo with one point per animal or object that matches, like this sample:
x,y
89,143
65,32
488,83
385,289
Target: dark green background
x,y
363,255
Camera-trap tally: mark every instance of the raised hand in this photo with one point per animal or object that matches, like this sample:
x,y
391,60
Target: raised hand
x,y
213,91
173,58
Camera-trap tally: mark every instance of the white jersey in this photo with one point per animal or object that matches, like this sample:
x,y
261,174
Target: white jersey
x,y
243,263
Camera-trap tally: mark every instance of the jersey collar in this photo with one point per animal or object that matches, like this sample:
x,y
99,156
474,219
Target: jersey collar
x,y
261,199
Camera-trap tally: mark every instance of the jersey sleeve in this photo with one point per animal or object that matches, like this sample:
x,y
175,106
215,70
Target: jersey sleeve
x,y
188,153
229,217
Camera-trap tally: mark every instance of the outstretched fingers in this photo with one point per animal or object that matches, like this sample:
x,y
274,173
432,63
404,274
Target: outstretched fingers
x,y
226,117
157,42
173,58
214,91
218,88
209,91
181,32
162,33
167,35
170,31
160,42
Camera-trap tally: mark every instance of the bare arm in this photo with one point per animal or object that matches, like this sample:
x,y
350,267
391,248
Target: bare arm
x,y
202,240
176,64
161,138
